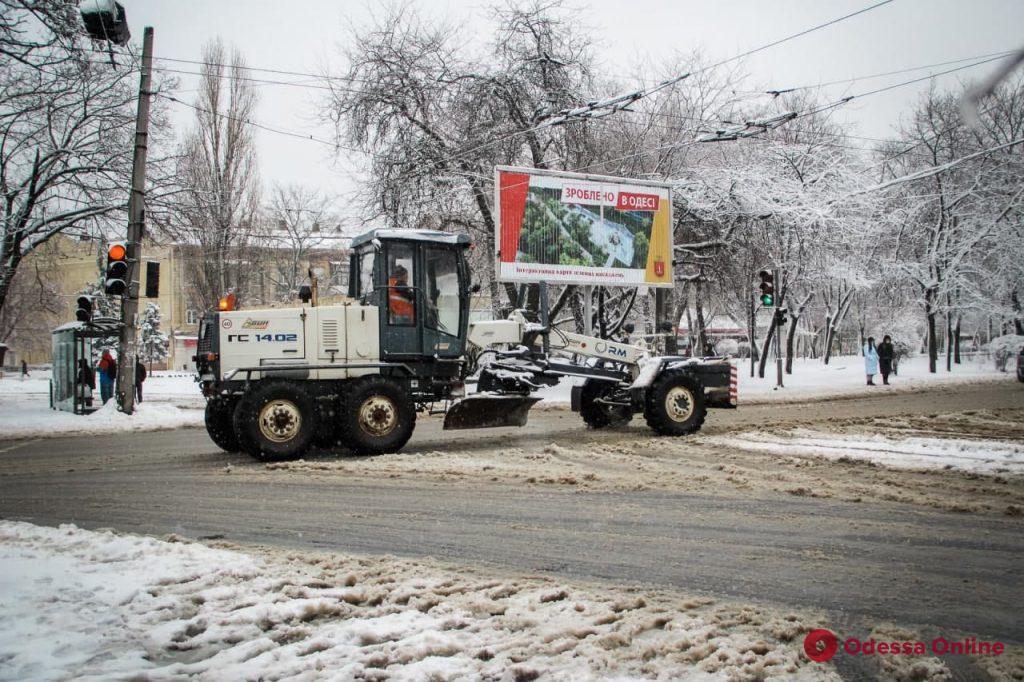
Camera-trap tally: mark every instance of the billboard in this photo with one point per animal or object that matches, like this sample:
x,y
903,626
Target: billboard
x,y
582,229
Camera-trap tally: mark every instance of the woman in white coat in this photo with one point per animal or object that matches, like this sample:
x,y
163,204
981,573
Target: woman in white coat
x,y
870,360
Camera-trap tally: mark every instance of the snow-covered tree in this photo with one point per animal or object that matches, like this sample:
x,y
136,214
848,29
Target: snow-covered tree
x,y
66,130
153,343
955,220
436,114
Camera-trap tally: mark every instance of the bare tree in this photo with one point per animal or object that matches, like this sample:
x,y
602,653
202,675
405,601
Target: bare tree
x,y
65,133
217,206
436,117
301,221
32,305
21,39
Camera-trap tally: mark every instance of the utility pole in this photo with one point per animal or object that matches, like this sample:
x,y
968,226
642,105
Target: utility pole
x,y
127,346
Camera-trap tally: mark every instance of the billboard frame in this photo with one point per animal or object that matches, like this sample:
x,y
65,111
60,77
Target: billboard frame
x,y
586,177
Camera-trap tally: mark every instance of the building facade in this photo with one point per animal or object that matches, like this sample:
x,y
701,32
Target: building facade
x,y
69,265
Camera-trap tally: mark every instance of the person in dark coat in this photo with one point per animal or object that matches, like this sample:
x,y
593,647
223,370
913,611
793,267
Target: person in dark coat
x,y
886,353
140,376
86,381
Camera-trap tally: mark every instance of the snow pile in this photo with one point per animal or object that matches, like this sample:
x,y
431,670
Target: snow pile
x,y
76,603
31,419
1008,343
979,456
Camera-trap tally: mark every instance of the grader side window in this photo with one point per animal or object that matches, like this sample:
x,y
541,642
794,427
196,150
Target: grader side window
x,y
366,274
401,282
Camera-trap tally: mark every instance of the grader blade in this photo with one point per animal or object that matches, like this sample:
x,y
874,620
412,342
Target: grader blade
x,y
489,411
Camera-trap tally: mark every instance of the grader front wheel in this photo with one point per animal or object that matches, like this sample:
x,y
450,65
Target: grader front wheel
x,y
675,404
276,421
218,424
597,414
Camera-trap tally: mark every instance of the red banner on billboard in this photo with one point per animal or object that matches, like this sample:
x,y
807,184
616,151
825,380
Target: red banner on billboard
x,y
632,201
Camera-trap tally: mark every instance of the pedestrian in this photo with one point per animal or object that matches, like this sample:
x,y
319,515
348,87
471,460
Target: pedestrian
x,y
870,360
140,376
86,382
886,354
24,370
108,373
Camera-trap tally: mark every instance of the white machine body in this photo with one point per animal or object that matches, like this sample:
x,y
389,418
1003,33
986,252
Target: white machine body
x,y
341,334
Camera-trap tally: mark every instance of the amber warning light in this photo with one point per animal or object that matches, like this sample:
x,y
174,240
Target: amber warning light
x,y
226,303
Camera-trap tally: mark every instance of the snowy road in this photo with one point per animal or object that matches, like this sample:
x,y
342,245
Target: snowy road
x,y
860,561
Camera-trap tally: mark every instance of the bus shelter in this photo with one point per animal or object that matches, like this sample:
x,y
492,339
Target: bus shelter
x,y
72,343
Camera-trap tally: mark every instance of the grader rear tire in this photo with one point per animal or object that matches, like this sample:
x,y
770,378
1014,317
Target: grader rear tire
x,y
378,416
674,405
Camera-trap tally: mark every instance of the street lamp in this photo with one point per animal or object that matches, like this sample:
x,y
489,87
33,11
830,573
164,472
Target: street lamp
x,y
105,20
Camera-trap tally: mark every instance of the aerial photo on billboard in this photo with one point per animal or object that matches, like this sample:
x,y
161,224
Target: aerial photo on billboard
x,y
573,228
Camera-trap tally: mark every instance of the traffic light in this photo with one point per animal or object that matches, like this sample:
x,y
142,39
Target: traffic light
x,y
767,288
83,313
152,279
780,317
117,270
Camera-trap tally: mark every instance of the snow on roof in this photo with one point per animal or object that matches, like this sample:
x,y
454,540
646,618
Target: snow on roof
x,y
415,235
68,326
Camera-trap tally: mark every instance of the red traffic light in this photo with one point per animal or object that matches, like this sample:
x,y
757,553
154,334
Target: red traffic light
x,y
116,283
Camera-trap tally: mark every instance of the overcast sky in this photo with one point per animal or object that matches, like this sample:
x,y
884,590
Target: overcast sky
x,y
303,34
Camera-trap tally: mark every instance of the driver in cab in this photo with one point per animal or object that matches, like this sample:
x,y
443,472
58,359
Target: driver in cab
x,y
401,299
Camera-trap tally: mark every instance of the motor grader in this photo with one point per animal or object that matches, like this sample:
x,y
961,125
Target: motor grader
x,y
279,381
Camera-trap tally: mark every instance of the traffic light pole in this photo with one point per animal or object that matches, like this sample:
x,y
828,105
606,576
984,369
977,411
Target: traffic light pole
x,y
127,346
778,335
778,353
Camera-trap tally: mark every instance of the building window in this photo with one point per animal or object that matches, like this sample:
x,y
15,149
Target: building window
x,y
191,316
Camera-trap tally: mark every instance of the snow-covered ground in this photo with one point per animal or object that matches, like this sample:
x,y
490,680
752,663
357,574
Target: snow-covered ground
x,y
983,456
172,400
179,388
81,604
844,376
28,418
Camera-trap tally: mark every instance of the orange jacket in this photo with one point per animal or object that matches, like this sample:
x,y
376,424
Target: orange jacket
x,y
399,301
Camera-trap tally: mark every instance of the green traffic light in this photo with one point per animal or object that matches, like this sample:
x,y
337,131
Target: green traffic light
x,y
767,300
